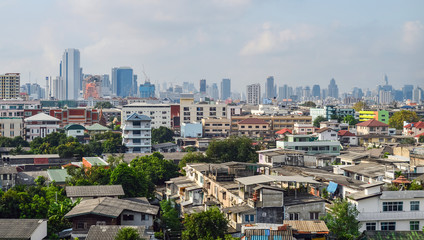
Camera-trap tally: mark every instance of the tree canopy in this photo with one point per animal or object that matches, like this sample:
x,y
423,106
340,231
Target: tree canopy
x,y
396,121
208,225
169,216
128,233
318,120
104,105
238,149
162,135
156,167
359,106
309,104
350,119
341,220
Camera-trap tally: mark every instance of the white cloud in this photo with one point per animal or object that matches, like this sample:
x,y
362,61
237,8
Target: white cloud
x,y
275,40
413,33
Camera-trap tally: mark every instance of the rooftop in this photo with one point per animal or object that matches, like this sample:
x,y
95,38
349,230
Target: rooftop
x,y
42,117
96,161
94,191
74,126
97,127
138,117
372,123
257,179
97,232
367,169
252,121
321,130
18,228
308,226
8,170
57,175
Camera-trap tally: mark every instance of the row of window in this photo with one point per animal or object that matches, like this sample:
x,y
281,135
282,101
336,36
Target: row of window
x,y
391,226
250,126
398,206
312,216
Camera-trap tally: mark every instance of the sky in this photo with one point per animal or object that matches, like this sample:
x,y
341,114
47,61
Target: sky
x,y
299,42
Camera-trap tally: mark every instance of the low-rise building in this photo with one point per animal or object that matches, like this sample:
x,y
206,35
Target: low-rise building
x,y
191,130
89,162
137,134
40,125
327,134
254,128
8,177
216,127
303,129
347,138
32,229
11,126
275,122
278,157
381,116
82,116
75,130
95,191
310,145
413,129
372,127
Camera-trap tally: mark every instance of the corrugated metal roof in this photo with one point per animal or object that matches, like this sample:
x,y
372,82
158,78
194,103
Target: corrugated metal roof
x,y
308,226
271,178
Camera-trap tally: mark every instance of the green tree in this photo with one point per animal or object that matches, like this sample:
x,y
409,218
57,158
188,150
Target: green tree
x,y
135,183
421,139
128,233
318,120
350,119
56,214
409,141
169,216
396,121
156,167
193,157
238,149
359,106
104,105
341,220
207,225
162,135
309,104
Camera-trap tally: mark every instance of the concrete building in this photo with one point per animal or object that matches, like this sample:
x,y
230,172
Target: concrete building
x,y
123,82
308,144
326,134
147,90
270,89
191,112
302,128
216,127
40,125
18,108
136,133
160,114
381,116
70,82
372,127
11,126
10,85
82,116
33,229
75,130
413,129
191,130
276,122
202,86
254,128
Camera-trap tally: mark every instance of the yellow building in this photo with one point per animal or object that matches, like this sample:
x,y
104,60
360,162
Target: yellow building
x,y
9,85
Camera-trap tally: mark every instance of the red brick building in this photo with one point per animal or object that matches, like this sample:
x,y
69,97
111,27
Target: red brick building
x,y
82,116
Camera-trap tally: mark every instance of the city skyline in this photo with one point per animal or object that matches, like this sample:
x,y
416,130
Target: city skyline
x,y
299,43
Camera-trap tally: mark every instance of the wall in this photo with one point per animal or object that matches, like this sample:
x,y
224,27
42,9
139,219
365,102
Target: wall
x,y
40,232
304,210
269,215
137,219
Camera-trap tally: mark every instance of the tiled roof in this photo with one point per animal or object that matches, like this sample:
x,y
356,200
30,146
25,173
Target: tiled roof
x,y
252,121
97,127
308,226
419,124
345,133
110,207
57,175
109,232
372,123
321,130
137,117
74,126
95,191
284,130
42,117
18,228
96,161
419,135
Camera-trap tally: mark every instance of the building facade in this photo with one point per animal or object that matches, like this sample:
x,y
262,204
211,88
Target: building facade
x,y
123,82
70,75
40,125
254,94
136,133
225,89
10,85
11,126
160,114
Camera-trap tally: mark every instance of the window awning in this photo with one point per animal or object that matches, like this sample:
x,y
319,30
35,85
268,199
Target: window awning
x,y
332,187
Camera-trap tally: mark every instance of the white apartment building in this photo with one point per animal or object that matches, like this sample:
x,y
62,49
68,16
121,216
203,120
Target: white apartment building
x,y
160,114
18,108
40,125
191,112
137,133
254,94
389,210
11,126
9,85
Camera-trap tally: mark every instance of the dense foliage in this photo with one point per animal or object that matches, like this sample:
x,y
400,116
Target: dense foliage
x,y
37,202
318,120
169,216
238,149
13,142
350,119
128,233
104,105
359,106
341,220
208,225
156,167
162,135
396,121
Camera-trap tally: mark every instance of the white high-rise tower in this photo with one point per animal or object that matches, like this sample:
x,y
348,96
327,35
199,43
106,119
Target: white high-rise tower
x,y
70,75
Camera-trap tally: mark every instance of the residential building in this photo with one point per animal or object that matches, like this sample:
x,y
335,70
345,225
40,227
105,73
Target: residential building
x,y
225,89
10,85
254,128
316,112
277,157
413,129
165,147
82,116
95,191
11,126
216,127
123,82
372,127
70,78
18,108
147,90
276,122
137,133
191,130
326,134
96,129
389,210
40,125
8,177
347,138
302,128
110,211
57,176
110,232
309,145
160,114
75,130
381,116
191,112
269,110
33,229
89,162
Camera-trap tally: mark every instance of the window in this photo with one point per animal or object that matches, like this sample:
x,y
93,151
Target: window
x,y
224,195
294,216
101,223
415,205
249,218
81,225
392,206
144,217
371,226
128,217
388,226
414,225
314,215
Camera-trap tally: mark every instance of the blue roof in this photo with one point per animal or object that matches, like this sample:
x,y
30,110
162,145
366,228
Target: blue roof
x,y
332,187
138,117
407,107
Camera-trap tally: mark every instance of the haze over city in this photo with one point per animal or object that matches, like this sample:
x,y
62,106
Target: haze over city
x,y
297,42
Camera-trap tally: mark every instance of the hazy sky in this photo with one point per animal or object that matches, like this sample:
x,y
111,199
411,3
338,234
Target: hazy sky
x,y
299,42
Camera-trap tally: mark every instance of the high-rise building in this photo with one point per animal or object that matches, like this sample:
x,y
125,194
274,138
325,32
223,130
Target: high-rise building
x,y
105,85
202,85
122,81
214,91
284,92
254,94
147,90
333,90
417,94
225,89
270,91
9,85
70,82
316,91
407,91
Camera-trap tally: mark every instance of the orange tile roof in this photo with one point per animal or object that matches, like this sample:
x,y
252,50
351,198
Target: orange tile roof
x,y
252,121
372,123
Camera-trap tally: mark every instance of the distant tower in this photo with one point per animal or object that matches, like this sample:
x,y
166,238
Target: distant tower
x,y
333,90
70,75
254,94
225,88
122,81
270,88
316,91
203,86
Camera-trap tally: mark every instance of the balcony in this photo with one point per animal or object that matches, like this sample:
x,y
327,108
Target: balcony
x,y
383,216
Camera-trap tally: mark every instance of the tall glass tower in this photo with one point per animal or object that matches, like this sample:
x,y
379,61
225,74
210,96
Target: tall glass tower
x,y
70,75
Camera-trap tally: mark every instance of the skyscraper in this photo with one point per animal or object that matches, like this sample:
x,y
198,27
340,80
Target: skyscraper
x,y
407,91
225,89
9,85
283,92
202,85
70,75
270,88
122,81
254,94
214,91
316,91
333,90
147,90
